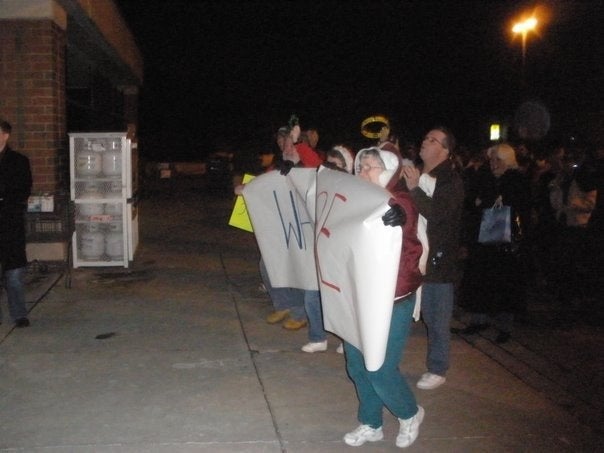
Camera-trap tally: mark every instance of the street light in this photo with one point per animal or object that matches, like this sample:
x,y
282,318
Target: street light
x,y
523,28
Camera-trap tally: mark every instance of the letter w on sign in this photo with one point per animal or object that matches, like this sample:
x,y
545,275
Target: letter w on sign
x,y
282,210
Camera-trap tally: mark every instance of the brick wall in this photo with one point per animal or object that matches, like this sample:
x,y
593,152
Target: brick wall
x,y
32,96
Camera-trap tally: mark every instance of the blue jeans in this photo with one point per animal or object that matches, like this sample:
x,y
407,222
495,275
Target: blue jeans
x,y
437,309
15,293
291,299
385,387
312,305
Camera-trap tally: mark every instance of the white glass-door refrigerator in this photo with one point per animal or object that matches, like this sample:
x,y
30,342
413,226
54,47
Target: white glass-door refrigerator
x,y
103,185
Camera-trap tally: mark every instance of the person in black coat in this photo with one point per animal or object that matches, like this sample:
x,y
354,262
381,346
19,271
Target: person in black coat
x,y
494,283
15,188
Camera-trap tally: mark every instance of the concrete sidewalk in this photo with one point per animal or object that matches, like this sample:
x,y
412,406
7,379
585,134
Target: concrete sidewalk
x,y
174,355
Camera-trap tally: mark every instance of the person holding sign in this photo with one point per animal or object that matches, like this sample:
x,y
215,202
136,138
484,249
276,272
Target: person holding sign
x,y
297,154
340,158
386,387
292,304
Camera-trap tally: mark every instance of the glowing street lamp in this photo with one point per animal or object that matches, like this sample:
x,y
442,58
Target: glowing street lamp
x,y
523,28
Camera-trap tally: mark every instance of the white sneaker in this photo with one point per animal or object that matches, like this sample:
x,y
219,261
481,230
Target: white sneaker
x,y
340,348
320,346
363,433
409,429
430,381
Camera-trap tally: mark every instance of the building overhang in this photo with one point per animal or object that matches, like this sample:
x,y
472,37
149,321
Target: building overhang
x,y
96,33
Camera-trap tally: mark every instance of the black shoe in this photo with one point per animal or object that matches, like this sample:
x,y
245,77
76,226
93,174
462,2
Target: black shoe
x,y
471,329
22,322
503,337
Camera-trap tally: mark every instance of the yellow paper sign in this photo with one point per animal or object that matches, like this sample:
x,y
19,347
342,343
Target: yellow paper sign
x,y
239,216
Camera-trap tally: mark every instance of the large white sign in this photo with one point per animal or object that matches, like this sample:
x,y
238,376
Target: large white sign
x,y
357,256
358,259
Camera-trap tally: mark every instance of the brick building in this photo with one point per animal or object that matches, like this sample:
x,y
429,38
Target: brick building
x,y
65,66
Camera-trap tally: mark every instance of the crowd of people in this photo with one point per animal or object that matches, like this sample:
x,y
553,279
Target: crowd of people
x,y
556,232
439,197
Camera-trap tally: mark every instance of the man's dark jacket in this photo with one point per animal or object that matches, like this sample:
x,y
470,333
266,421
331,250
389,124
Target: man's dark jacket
x,y
15,188
443,213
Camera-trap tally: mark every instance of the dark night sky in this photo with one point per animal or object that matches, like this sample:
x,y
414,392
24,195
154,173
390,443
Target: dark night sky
x,y
228,73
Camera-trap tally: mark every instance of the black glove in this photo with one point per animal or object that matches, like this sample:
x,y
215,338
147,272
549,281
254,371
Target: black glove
x,y
285,166
395,216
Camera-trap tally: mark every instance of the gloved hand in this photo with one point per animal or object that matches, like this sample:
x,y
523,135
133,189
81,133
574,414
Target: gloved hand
x,y
395,216
285,166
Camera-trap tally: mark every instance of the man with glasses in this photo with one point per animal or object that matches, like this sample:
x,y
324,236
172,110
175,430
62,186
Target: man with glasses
x,y
442,209
15,188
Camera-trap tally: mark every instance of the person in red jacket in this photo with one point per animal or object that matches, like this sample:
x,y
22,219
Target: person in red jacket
x,y
387,387
296,153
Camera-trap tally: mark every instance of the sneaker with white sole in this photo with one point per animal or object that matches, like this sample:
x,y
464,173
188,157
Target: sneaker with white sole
x,y
409,429
340,348
430,381
319,346
363,433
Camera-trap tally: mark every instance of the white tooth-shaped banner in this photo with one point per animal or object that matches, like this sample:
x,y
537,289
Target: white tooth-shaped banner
x,y
358,259
357,256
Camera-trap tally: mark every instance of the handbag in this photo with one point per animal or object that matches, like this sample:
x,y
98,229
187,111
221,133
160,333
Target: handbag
x,y
496,224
